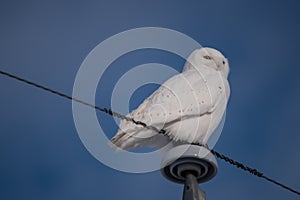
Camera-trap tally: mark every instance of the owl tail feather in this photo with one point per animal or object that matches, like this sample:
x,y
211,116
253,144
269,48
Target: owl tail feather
x,y
124,141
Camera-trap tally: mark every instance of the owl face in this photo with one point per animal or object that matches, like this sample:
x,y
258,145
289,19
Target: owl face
x,y
210,58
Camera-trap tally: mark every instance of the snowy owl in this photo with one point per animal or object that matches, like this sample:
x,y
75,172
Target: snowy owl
x,y
189,106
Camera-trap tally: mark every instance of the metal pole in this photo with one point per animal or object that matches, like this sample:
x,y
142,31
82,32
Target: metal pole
x,y
189,165
191,189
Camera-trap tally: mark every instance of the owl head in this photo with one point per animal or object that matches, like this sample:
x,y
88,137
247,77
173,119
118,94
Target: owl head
x,y
210,58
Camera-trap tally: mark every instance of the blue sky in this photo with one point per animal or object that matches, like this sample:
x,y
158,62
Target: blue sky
x,y
41,154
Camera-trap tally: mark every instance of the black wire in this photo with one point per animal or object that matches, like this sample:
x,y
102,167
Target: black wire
x,y
251,170
162,131
108,111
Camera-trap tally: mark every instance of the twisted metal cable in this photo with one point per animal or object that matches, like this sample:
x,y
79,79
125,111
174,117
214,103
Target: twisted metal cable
x,y
162,131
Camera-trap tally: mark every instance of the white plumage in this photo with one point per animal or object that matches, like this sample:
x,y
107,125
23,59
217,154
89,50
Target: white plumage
x,y
189,106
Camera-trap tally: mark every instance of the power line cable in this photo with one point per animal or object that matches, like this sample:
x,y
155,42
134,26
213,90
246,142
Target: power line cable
x,y
161,131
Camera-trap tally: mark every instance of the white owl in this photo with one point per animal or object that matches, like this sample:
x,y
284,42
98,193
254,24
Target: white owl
x,y
188,106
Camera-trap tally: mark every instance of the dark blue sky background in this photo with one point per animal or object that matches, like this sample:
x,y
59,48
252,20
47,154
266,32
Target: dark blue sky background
x,y
41,155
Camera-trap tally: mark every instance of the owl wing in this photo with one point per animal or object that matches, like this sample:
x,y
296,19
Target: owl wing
x,y
185,96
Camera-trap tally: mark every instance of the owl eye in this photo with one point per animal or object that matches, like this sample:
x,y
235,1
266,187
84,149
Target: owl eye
x,y
208,57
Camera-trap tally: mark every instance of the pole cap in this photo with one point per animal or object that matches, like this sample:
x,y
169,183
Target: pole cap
x,y
184,159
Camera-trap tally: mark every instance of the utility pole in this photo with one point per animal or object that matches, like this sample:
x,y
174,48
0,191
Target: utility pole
x,y
189,165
